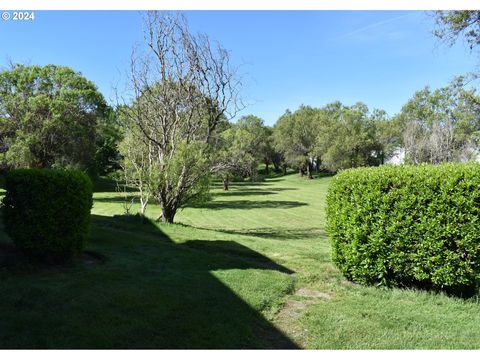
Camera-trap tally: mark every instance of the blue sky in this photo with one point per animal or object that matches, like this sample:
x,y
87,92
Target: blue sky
x,y
289,57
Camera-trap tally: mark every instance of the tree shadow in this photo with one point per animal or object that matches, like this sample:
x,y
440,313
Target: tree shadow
x,y
252,191
243,193
249,204
279,234
151,293
277,189
234,255
249,183
272,233
113,199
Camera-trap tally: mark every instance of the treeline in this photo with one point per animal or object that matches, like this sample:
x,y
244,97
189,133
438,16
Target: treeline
x,y
434,126
53,117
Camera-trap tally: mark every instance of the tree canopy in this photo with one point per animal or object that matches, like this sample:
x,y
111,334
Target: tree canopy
x,y
48,117
455,24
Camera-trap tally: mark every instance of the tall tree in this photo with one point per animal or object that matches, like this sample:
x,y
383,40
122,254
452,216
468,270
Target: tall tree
x,y
48,117
294,135
231,157
183,88
251,138
108,136
388,135
347,137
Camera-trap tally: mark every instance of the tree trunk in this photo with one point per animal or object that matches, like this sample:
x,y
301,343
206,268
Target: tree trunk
x,y
167,216
266,168
284,169
225,183
309,170
143,207
168,213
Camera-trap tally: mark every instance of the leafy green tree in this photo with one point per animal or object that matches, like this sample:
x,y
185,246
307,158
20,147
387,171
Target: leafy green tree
x,y
48,117
269,154
294,135
240,148
387,135
231,159
108,137
251,138
347,137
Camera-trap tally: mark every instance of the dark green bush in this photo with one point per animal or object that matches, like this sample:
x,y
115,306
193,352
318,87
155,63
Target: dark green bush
x,y
47,212
407,225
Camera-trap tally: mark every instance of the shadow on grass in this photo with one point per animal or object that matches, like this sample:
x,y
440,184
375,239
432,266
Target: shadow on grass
x,y
235,255
252,191
273,233
248,183
281,234
249,204
243,193
150,293
113,199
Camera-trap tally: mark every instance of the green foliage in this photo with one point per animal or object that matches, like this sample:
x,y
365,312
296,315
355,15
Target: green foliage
x,y
294,135
335,137
187,173
108,136
47,212
458,23
48,117
177,178
347,136
407,225
240,147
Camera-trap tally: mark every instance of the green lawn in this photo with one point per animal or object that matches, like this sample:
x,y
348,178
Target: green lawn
x,y
250,269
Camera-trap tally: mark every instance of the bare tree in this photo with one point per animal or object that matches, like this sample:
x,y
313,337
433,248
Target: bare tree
x,y
441,125
183,87
430,143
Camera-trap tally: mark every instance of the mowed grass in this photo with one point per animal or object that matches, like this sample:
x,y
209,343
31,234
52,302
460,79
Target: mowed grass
x,y
249,269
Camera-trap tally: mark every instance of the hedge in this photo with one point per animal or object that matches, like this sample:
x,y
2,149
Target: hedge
x,y
47,212
407,225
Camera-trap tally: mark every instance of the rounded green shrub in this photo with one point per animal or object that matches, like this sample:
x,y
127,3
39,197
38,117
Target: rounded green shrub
x,y
47,212
407,225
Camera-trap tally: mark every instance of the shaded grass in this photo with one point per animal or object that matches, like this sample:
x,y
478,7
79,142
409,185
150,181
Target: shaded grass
x,y
150,293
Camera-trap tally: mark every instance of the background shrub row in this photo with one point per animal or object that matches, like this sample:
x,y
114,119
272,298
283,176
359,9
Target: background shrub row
x,y
407,225
47,212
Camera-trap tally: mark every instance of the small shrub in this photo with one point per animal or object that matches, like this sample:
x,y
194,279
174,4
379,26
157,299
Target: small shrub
x,y
47,212
407,225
